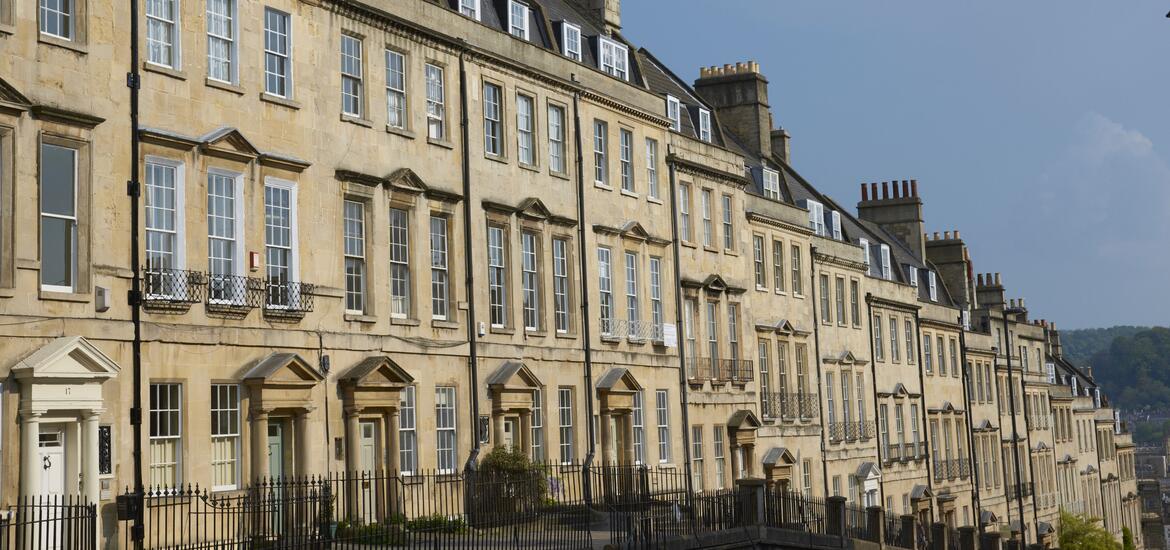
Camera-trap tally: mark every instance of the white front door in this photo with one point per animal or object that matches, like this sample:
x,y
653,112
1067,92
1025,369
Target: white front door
x,y
509,433
52,460
368,468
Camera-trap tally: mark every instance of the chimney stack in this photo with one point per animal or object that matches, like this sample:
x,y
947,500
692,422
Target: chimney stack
x,y
781,139
900,213
608,12
739,94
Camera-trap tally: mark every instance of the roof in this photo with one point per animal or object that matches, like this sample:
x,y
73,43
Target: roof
x,y
776,455
743,418
662,81
369,365
274,362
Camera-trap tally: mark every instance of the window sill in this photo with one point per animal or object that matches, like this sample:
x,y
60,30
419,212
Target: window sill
x,y
443,323
653,200
277,100
610,339
357,120
502,330
62,43
225,86
709,248
360,318
64,296
566,335
781,293
440,143
403,321
559,175
762,288
7,29
730,252
6,292
495,158
164,70
530,167
403,132
535,333
602,185
630,194
667,466
688,244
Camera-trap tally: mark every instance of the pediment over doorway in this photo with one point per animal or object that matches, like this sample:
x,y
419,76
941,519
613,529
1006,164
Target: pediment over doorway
x,y
66,358
513,374
283,369
378,371
616,390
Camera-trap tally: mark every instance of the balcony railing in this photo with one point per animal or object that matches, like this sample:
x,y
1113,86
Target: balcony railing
x,y
637,330
903,451
288,297
951,469
1039,422
1025,490
720,370
234,291
165,288
851,431
791,406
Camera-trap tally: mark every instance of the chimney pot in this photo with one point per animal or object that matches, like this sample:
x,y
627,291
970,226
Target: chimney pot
x,y
885,190
1021,302
753,66
905,189
957,235
979,279
864,193
998,280
873,190
914,188
947,235
729,68
936,235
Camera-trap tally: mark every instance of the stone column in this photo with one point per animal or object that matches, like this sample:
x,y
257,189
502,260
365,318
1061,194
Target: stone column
x,y
89,456
628,436
259,444
30,450
606,432
351,439
737,456
304,442
749,451
526,433
391,422
497,429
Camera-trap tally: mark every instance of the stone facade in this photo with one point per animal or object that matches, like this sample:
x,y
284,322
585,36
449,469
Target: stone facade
x,y
395,235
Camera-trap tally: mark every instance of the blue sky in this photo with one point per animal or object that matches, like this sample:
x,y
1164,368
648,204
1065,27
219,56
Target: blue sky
x,y
1037,128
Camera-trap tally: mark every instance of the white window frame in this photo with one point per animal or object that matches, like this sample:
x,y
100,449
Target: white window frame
x,y
286,56
662,410
633,304
605,289
684,211
445,457
526,129
530,279
565,432
835,218
697,456
178,233
637,422
570,35
518,9
440,267
408,431
718,455
294,240
155,22
626,158
498,266
556,139
816,217
75,232
234,408
887,272
656,312
771,184
705,125
728,222
493,119
354,233
932,279
436,101
674,113
396,98
759,270
613,58
355,76
64,9
913,272
470,8
232,39
155,414
237,230
705,201
402,265
601,153
652,189
561,290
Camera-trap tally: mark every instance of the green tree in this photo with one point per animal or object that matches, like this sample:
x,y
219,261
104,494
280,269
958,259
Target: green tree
x,y
1127,539
1084,533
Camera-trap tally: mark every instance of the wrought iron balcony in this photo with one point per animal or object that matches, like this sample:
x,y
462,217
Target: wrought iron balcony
x,y
952,469
637,330
291,298
791,406
851,431
171,289
720,370
233,292
1038,422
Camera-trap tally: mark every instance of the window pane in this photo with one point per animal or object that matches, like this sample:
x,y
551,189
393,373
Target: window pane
x,y
58,170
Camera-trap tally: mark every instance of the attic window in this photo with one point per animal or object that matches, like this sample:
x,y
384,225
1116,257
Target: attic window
x,y
771,184
933,286
571,40
816,216
673,112
518,19
864,252
887,274
614,58
836,218
913,273
705,125
470,8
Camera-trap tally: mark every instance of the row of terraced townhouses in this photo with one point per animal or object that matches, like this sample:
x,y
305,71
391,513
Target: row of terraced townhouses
x,y
398,233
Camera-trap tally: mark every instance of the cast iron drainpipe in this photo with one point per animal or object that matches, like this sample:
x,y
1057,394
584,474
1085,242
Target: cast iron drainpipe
x,y
682,358
1007,342
469,266
812,289
970,423
873,383
586,333
922,399
133,81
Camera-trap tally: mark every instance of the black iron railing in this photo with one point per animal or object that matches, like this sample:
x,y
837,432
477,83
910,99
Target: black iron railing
x,y
290,297
794,511
721,370
165,288
851,431
49,521
856,522
233,291
791,406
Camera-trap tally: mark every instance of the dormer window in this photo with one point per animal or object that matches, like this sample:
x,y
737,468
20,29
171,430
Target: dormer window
x,y
836,219
864,252
470,8
705,125
933,282
887,274
674,113
518,19
913,271
571,40
816,216
771,184
614,58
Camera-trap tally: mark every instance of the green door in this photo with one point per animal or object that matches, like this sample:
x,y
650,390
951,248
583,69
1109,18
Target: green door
x,y
275,450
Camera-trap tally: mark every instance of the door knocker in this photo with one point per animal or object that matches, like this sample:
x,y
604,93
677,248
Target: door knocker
x,y
46,462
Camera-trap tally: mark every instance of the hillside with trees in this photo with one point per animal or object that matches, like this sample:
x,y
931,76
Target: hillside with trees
x,y
1135,370
1080,345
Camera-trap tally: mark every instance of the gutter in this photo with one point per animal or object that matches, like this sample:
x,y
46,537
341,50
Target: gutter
x,y
923,416
469,267
1007,338
682,356
134,298
873,377
812,260
586,335
970,424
